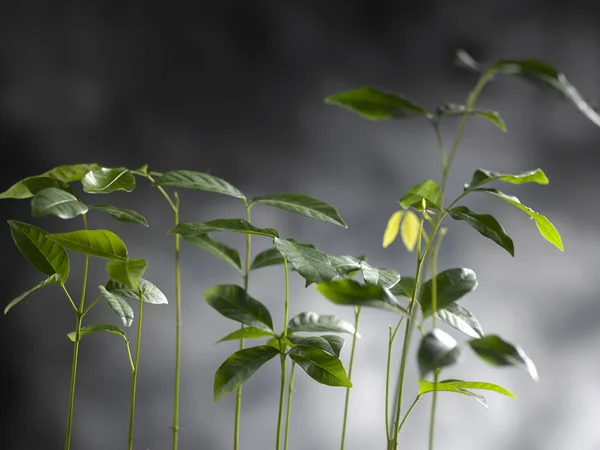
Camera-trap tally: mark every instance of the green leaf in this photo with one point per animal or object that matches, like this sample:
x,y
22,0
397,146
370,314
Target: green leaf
x,y
128,272
428,190
486,225
43,254
150,293
118,305
545,227
460,318
233,225
345,264
303,205
100,243
313,322
320,366
98,328
482,176
313,265
105,180
498,352
247,333
52,279
329,343
404,288
452,284
373,104
428,386
187,179
437,350
239,367
464,60
220,250
269,257
121,214
56,202
349,292
385,278
232,302
36,184
66,174
451,109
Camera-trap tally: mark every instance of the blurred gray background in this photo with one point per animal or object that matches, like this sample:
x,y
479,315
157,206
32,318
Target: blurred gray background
x,y
236,89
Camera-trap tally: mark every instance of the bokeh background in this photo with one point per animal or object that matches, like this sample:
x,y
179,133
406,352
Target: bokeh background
x,y
236,89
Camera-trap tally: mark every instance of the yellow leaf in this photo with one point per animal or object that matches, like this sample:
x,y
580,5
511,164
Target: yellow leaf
x,y
410,230
392,229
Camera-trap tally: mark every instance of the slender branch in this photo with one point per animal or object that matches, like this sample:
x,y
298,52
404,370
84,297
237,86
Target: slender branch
x,y
289,407
283,355
433,407
357,310
408,412
134,372
91,305
175,206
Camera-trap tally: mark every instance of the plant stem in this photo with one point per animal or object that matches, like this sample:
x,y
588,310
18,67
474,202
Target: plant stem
x,y
283,355
409,411
289,407
433,406
357,310
177,326
134,372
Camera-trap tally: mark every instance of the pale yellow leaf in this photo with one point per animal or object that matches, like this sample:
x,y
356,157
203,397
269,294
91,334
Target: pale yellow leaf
x,y
392,228
410,230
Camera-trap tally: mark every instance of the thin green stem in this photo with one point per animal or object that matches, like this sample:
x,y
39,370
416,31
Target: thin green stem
x,y
357,310
134,372
283,355
433,407
387,383
91,305
289,407
409,411
131,363
175,206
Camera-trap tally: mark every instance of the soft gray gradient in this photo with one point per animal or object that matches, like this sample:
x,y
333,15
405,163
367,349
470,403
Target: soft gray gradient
x,y
236,89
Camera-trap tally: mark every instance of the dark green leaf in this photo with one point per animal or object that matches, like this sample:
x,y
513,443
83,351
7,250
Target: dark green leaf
x,y
428,386
220,250
98,328
349,292
404,288
329,343
239,367
386,278
52,279
56,202
105,180
314,266
373,104
247,333
150,293
345,264
460,318
36,184
121,214
452,284
498,352
451,109
100,243
232,302
43,254
428,190
233,225
187,179
437,350
486,225
313,322
482,176
118,305
128,272
270,257
320,366
303,205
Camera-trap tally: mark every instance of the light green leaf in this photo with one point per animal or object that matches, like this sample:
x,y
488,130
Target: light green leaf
x,y
464,60
239,367
428,190
52,279
404,288
105,180
496,351
118,305
427,386
482,176
460,318
98,328
349,292
329,343
187,179
36,184
313,322
269,257
437,350
385,278
303,205
452,284
320,366
247,333
128,272
314,266
451,109
121,214
486,225
56,202
100,243
345,264
150,293
220,250
233,225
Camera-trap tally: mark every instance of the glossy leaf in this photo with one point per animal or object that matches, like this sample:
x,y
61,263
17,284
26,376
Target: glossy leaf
x,y
232,302
460,318
545,227
118,305
98,328
220,250
349,292
105,180
233,225
374,104
313,265
385,278
428,190
329,343
464,60
247,333
437,350
121,214
100,243
345,264
313,322
269,257
486,225
56,202
42,253
320,366
482,176
52,279
36,184
404,287
409,230
392,228
127,272
150,293
498,352
239,367
187,179
452,284
451,109
303,205
427,386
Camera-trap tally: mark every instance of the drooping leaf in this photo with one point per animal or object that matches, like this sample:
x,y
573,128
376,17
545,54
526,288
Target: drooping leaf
x,y
121,214
187,179
329,343
437,350
100,243
392,229
409,230
451,109
482,176
220,250
247,333
150,293
36,184
233,225
42,253
486,225
496,351
428,386
313,322
106,180
52,279
452,284
98,328
320,366
303,205
56,202
404,287
313,265
232,302
127,272
460,318
269,257
118,305
349,292
428,190
374,104
239,367
345,264
545,227
385,278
